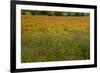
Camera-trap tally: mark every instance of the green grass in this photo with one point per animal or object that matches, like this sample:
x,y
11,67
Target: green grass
x,y
41,47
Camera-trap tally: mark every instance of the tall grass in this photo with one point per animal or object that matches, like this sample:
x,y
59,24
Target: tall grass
x,y
55,47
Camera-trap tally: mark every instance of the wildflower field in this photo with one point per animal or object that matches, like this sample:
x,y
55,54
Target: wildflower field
x,y
54,38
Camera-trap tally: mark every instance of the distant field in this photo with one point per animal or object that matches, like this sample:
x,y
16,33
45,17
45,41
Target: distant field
x,y
54,38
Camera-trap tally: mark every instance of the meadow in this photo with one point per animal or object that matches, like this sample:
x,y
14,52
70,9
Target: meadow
x,y
54,38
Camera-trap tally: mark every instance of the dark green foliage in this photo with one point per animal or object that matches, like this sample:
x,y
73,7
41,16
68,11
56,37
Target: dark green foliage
x,y
33,13
43,13
23,12
58,13
52,13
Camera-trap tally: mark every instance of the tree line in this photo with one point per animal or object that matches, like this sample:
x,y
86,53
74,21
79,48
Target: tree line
x,y
52,13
